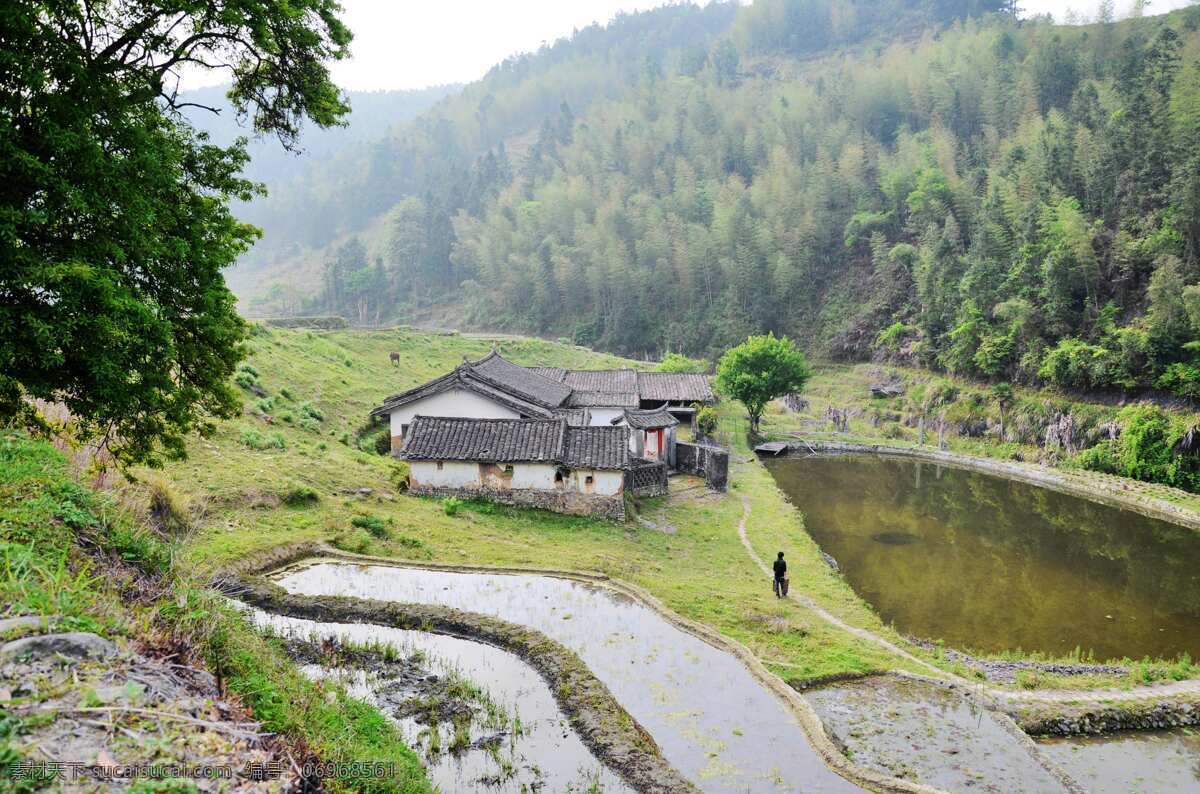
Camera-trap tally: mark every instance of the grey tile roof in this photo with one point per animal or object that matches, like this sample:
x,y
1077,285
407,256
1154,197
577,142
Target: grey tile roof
x,y
516,441
647,420
462,377
523,381
576,417
602,399
555,374
680,386
596,448
487,440
622,381
540,391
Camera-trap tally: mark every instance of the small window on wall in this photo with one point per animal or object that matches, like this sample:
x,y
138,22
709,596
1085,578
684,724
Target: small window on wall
x,y
508,470
560,474
440,464
589,480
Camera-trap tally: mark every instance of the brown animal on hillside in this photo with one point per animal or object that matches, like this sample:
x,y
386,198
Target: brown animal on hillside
x,y
395,357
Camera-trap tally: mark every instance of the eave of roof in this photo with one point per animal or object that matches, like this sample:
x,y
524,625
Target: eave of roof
x,y
601,399
432,438
648,419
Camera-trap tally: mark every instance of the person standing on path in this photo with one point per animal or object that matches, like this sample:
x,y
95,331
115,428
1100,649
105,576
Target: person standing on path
x,y
780,585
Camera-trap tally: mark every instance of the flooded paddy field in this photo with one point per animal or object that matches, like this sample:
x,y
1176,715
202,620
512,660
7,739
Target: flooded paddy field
x,y
714,721
481,718
986,563
928,734
1131,763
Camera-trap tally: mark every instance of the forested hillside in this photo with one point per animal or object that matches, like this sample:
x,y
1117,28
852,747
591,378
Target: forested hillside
x,y
962,190
296,178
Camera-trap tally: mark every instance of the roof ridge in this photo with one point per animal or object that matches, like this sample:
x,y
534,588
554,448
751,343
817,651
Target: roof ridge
x,y
489,418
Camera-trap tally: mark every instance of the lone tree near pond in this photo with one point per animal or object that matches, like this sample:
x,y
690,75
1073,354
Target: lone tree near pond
x,y
759,370
114,211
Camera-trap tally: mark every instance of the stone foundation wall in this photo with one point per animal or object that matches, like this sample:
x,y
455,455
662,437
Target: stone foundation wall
x,y
570,502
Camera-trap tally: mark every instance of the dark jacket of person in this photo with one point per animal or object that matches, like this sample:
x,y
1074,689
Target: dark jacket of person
x,y
780,568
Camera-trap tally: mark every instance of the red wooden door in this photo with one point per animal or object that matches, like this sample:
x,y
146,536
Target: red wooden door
x,y
654,443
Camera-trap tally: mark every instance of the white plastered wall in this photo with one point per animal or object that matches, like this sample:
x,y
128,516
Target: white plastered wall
x,y
533,476
449,474
604,482
455,402
602,417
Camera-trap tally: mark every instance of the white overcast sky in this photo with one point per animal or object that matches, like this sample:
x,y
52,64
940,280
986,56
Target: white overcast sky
x,y
414,45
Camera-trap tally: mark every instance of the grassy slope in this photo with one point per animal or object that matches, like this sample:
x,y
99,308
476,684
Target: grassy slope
x,y
59,547
700,570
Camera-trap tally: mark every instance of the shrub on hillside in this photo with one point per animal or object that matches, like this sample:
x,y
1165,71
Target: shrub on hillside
x,y
167,509
371,524
300,495
258,440
246,376
1075,364
1149,448
675,362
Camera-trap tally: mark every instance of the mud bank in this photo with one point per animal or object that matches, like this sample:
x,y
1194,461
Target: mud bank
x,y
1106,489
609,732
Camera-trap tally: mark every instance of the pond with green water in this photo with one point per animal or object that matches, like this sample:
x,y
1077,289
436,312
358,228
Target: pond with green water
x,y
990,564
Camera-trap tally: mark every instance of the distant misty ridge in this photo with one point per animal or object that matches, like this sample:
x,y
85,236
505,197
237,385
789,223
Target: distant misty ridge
x,y
372,115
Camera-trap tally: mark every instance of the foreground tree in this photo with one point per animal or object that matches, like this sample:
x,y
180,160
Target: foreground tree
x,y
114,219
759,370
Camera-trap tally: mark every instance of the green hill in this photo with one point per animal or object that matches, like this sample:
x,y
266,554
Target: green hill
x,y
1005,199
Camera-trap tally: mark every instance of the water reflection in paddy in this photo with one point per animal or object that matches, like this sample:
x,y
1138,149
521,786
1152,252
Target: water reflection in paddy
x,y
920,731
987,563
1147,763
547,755
712,719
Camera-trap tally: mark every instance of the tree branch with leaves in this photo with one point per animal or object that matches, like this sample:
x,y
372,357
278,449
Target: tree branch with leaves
x,y
759,370
114,211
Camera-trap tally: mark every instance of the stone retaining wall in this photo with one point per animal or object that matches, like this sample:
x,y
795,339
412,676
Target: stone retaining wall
x,y
570,502
1099,718
711,463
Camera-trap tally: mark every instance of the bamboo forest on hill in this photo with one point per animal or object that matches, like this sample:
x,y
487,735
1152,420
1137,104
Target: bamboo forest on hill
x,y
1003,198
